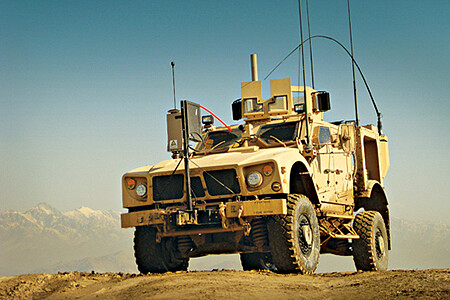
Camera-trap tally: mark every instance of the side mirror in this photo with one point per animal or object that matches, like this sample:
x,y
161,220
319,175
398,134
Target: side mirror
x,y
236,107
323,101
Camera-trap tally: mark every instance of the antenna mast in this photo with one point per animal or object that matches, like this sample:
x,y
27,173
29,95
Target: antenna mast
x,y
308,137
173,84
310,45
353,64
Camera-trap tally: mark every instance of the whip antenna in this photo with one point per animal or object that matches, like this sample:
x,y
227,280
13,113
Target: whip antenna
x,y
310,45
353,64
308,137
173,84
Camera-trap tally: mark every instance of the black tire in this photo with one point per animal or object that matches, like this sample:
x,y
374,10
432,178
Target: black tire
x,y
370,251
153,257
257,261
294,238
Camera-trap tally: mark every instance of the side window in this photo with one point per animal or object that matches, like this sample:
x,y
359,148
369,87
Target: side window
x,y
298,98
279,103
324,136
251,106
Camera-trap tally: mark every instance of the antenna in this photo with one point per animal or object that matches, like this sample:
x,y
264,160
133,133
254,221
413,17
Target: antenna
x,y
379,115
353,64
173,84
310,45
308,138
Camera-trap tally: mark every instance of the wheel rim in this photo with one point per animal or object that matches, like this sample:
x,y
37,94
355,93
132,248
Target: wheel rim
x,y
379,244
305,235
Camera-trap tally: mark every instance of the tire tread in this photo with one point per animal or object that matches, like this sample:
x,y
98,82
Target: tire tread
x,y
281,231
363,249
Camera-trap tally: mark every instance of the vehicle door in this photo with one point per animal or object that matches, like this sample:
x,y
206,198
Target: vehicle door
x,y
323,164
342,164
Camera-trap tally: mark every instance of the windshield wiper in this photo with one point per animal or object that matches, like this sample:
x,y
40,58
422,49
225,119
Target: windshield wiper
x,y
278,140
215,146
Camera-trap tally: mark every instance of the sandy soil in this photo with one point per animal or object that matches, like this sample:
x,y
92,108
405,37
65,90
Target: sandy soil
x,y
225,284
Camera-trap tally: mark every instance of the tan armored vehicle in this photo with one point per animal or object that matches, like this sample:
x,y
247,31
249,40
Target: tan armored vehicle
x,y
279,189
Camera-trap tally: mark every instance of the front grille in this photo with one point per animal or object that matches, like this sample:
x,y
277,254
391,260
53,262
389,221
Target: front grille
x,y
197,189
223,182
168,187
172,187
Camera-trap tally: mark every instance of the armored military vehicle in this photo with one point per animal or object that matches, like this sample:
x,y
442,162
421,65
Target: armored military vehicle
x,y
280,189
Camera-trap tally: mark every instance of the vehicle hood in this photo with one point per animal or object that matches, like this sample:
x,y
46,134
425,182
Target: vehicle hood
x,y
223,160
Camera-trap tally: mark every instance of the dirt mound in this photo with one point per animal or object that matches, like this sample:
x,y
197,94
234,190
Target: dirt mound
x,y
432,284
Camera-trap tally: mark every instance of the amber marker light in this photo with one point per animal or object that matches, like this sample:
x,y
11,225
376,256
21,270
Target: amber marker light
x,y
131,183
267,170
276,186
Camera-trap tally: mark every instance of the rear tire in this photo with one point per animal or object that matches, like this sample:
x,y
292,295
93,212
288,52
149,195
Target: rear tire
x,y
370,251
294,238
257,261
153,257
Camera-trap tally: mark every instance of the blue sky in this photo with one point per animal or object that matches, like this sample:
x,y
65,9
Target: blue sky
x,y
85,86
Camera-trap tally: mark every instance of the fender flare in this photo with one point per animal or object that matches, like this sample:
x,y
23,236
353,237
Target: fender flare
x,y
301,180
368,190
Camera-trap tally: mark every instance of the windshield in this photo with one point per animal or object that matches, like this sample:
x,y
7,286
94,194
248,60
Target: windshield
x,y
220,140
281,132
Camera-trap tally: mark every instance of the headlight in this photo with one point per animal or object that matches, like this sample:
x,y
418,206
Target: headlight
x,y
141,190
254,179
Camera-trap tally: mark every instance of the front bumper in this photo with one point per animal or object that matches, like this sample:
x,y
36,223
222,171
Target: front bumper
x,y
231,212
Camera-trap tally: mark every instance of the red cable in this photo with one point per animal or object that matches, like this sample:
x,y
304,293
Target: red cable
x,y
228,127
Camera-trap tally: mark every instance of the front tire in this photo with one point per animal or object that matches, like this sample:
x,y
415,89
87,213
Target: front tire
x,y
153,257
294,238
370,251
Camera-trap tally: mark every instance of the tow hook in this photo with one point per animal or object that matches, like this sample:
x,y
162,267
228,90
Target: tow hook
x,y
246,225
225,222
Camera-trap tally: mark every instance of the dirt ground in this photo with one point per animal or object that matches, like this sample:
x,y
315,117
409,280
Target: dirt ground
x,y
226,284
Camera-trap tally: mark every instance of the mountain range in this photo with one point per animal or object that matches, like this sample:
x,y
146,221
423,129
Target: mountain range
x,y
44,239
43,236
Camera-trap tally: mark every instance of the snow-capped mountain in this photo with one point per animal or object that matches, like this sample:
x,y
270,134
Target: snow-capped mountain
x,y
44,236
